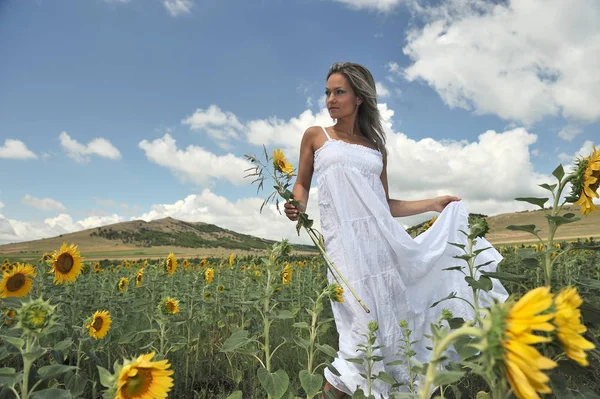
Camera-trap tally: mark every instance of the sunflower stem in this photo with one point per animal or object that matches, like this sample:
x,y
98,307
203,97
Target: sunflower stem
x,y
438,350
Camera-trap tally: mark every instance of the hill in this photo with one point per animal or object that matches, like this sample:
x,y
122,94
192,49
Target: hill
x,y
140,239
155,239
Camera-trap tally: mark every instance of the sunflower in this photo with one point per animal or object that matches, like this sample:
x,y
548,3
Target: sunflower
x,y
99,324
221,288
585,182
339,291
286,274
429,223
17,282
143,379
97,268
9,316
35,316
186,264
281,164
209,274
66,264
568,323
169,306
123,284
138,277
171,264
523,363
203,263
231,259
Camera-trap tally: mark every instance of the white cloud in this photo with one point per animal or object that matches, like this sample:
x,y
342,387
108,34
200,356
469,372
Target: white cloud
x,y
81,153
195,163
16,231
15,149
178,7
44,204
242,215
586,149
222,126
382,90
503,60
376,5
569,132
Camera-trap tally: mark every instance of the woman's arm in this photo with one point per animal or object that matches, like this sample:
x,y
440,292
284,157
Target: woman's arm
x,y
305,171
399,208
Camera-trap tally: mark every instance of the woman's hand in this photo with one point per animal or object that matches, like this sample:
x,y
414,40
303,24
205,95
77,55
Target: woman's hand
x,y
291,211
439,203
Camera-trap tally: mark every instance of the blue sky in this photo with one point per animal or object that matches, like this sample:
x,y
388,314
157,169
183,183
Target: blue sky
x,y
117,110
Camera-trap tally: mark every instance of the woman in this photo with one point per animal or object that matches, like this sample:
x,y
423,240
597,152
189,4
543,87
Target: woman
x,y
397,277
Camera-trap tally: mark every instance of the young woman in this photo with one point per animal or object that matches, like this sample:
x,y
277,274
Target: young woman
x,y
397,277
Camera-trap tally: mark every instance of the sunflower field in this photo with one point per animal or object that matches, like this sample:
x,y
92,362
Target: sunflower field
x,y
261,326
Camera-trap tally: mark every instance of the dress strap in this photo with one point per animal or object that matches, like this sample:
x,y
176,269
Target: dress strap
x,y
326,134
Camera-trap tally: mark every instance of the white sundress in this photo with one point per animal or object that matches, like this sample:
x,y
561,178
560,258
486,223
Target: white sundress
x,y
397,277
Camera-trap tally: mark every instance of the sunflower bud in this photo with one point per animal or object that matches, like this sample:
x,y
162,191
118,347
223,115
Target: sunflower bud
x,y
35,316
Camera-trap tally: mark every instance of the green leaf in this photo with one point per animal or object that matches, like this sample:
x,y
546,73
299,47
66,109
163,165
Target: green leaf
x,y
464,348
106,378
301,324
447,377
549,187
530,228
533,200
385,377
461,246
76,383
451,296
52,393
283,315
14,341
301,342
560,220
484,283
62,345
559,172
235,395
356,360
236,341
9,376
274,383
54,370
503,276
328,350
454,268
311,383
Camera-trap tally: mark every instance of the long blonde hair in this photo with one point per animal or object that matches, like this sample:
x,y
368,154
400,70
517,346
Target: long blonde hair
x,y
368,119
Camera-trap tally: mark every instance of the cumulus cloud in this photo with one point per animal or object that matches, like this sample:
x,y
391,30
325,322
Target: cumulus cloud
x,y
178,7
501,59
382,90
569,132
220,125
241,215
43,204
81,152
16,231
194,163
15,149
375,5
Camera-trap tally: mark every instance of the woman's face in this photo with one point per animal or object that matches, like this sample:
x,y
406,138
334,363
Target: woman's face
x,y
340,98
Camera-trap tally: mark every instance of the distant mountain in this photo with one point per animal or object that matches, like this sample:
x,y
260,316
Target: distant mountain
x,y
140,239
147,238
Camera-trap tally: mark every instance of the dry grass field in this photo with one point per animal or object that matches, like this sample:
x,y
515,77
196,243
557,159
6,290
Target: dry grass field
x,y
95,247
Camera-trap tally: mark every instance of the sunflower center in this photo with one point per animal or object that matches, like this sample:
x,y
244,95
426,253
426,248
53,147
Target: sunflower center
x,y
15,283
64,263
97,324
171,307
138,385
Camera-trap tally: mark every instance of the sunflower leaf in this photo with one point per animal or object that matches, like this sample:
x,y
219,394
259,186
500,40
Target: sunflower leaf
x,y
328,350
9,376
14,341
560,220
236,341
447,377
559,172
451,296
533,200
276,384
549,187
51,393
530,228
235,395
311,383
54,370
